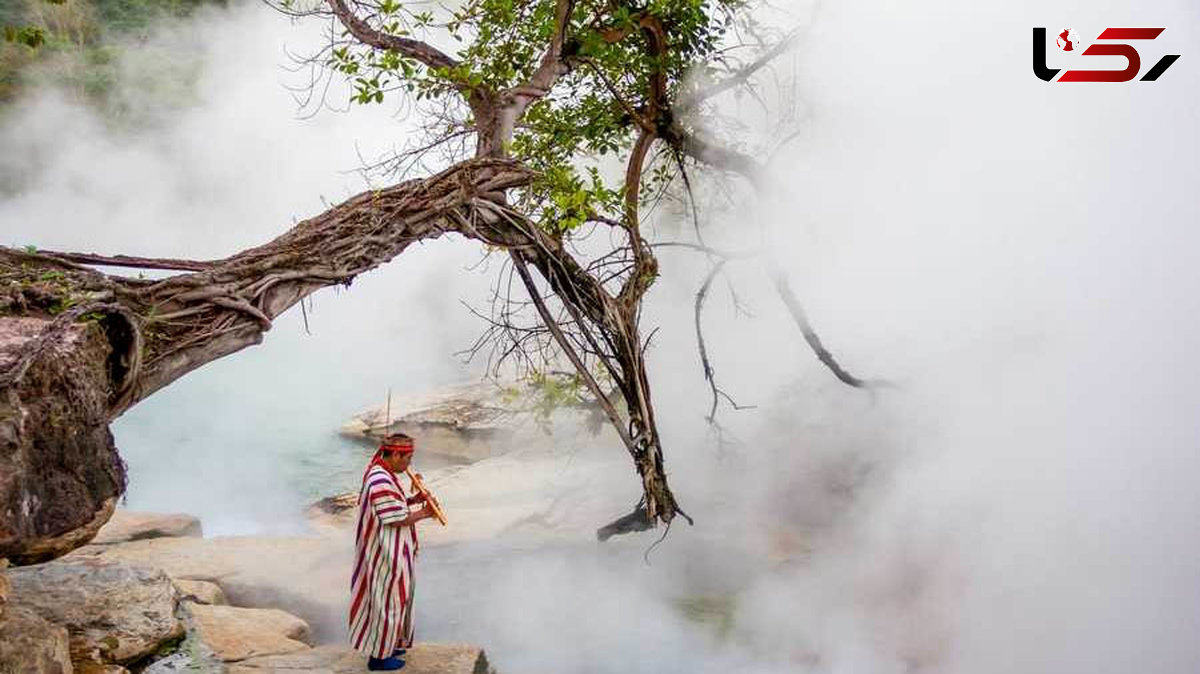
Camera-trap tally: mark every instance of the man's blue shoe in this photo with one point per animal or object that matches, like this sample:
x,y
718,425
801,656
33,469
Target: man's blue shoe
x,y
384,664
399,652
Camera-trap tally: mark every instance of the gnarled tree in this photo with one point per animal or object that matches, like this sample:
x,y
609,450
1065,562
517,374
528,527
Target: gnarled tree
x,y
554,93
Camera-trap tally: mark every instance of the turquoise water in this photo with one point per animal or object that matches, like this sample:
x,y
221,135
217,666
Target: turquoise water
x,y
243,474
336,465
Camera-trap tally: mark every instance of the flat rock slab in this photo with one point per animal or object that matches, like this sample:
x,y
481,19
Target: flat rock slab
x,y
201,592
213,559
115,612
305,576
421,659
127,525
235,633
29,644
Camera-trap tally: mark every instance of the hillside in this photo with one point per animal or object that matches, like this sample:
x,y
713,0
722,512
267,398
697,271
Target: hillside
x,y
75,44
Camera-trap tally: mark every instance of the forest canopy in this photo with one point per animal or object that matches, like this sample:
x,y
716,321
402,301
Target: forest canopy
x,y
73,44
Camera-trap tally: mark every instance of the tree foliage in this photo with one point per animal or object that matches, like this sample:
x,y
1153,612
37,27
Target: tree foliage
x,y
581,113
626,66
604,102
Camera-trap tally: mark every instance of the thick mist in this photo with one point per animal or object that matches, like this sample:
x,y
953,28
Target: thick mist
x,y
223,166
1014,257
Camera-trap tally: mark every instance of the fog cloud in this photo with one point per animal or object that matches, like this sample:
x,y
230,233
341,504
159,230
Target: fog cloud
x,y
1013,257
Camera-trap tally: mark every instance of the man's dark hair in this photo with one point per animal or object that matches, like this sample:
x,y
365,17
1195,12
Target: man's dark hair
x,y
396,439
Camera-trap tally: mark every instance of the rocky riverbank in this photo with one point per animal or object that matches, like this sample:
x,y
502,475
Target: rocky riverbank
x,y
471,422
151,595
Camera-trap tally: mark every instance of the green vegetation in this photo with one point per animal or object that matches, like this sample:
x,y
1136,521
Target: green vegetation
x,y
628,59
74,44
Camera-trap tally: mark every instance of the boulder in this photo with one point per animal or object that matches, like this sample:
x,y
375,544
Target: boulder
x,y
421,659
304,575
201,592
60,474
45,548
115,613
337,511
464,422
234,633
475,421
29,644
127,525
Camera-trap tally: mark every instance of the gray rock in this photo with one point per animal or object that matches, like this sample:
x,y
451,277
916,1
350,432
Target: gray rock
x,y
115,612
256,571
127,525
176,662
201,592
234,633
471,422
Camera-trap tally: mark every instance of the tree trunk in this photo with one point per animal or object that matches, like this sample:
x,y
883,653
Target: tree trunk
x,y
78,347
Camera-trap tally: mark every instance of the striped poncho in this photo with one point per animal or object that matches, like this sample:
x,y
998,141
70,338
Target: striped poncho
x,y
381,589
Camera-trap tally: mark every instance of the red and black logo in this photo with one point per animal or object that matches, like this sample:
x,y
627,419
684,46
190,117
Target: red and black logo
x,y
1067,41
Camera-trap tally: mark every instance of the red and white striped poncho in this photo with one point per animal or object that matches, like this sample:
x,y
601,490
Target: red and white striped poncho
x,y
381,589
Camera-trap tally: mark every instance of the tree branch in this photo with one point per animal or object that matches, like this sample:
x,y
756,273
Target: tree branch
x,y
132,262
569,350
715,155
552,66
810,335
738,78
645,267
415,49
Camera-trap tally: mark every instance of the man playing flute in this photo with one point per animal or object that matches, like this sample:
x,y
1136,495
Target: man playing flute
x,y
381,588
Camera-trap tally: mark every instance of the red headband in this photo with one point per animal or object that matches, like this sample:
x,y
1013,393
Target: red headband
x,y
402,446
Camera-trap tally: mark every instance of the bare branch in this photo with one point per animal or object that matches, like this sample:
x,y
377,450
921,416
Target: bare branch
x,y
569,351
724,254
810,335
738,78
702,347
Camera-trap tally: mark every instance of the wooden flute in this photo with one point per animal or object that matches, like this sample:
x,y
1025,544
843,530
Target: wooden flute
x,y
431,501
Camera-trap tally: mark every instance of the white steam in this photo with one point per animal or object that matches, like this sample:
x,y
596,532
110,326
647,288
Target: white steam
x,y
223,166
1015,257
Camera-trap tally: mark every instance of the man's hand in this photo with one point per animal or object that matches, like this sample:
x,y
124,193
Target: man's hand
x,y
415,516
